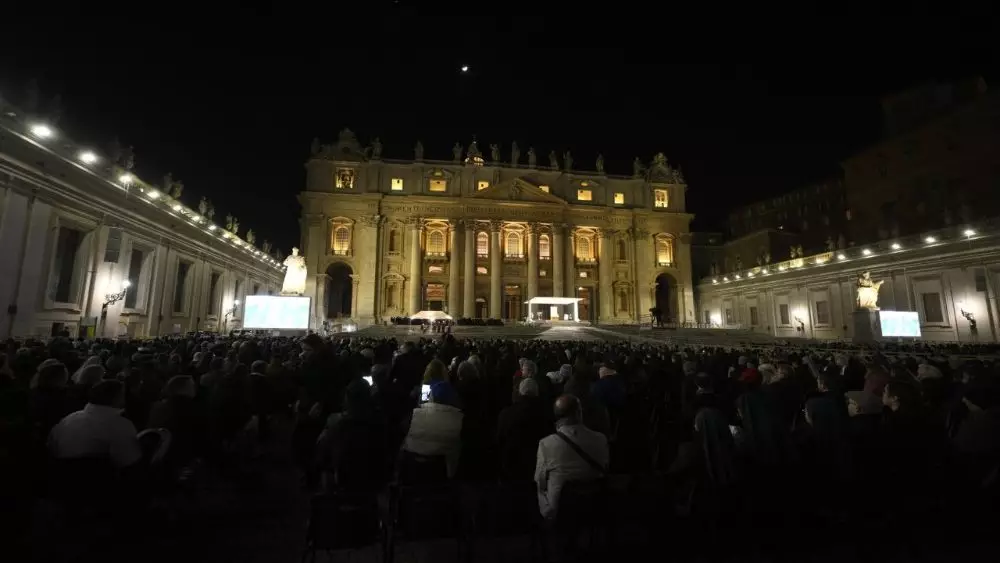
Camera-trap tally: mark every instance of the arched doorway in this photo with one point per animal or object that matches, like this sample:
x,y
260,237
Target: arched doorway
x,y
663,298
339,290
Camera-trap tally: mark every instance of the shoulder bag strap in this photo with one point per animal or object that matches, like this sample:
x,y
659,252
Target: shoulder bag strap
x,y
579,451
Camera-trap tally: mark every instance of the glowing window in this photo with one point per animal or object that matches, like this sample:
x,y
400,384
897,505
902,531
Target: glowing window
x,y
660,198
435,242
397,184
619,198
341,240
483,244
664,250
482,185
583,195
583,274
541,273
435,269
481,270
544,250
514,245
544,188
585,184
583,250
439,185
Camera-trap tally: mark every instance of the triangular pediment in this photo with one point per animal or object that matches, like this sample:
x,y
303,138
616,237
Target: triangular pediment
x,y
517,190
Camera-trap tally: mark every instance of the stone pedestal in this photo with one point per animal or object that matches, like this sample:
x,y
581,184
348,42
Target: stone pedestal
x,y
866,326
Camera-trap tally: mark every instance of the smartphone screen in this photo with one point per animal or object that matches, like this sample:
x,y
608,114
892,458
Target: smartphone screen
x,y
425,393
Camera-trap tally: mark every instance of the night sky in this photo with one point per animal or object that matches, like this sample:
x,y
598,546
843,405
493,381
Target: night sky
x,y
233,118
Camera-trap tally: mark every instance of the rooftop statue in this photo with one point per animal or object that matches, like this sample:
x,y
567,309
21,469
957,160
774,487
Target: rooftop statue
x,y
515,154
376,149
868,292
236,226
532,157
495,154
210,213
553,160
176,190
266,247
418,151
660,159
229,222
295,274
203,205
456,152
251,237
568,160
637,167
600,163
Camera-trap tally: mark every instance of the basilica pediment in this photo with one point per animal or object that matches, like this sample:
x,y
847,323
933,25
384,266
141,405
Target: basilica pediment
x,y
517,190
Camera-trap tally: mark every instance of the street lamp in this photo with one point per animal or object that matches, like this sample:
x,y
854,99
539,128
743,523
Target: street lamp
x,y
112,298
231,312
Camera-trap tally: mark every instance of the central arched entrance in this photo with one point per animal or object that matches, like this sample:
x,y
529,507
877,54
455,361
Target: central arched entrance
x,y
339,290
663,298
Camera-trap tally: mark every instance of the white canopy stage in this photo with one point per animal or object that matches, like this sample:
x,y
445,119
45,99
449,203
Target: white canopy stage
x,y
432,316
554,303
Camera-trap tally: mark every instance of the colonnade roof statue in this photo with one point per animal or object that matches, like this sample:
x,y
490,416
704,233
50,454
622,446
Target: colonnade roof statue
x,y
117,167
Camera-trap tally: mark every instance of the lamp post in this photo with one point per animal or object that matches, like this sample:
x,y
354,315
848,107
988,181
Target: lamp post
x,y
230,312
110,299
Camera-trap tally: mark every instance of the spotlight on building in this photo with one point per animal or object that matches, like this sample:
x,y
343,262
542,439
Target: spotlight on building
x,y
41,131
126,179
737,276
153,194
725,278
969,233
211,227
866,252
896,246
176,207
841,256
781,268
930,240
715,281
764,271
88,157
749,274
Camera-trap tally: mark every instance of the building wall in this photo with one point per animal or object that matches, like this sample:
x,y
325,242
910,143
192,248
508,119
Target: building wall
x,y
44,192
957,273
397,267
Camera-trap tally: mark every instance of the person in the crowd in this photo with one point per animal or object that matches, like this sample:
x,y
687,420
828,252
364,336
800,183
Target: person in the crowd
x,y
519,428
436,427
351,449
595,414
609,388
98,430
179,413
49,398
574,453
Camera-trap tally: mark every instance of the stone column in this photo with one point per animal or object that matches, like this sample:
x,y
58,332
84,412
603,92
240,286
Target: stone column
x,y
496,267
569,260
469,266
558,267
416,264
532,249
454,296
321,280
604,297
644,264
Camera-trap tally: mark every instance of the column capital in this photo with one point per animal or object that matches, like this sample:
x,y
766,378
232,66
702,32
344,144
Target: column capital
x,y
371,220
532,228
560,228
639,233
496,226
469,224
414,222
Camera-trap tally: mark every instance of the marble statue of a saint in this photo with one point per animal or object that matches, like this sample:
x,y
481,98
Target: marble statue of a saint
x,y
568,160
553,160
251,237
203,205
236,226
868,292
456,152
791,251
767,256
637,167
495,153
266,247
229,222
798,250
418,151
295,274
600,163
176,190
377,149
532,157
515,154
830,246
210,212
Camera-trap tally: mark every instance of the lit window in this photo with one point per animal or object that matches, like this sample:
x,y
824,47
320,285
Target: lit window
x,y
541,273
583,250
619,198
397,184
544,188
481,270
345,178
544,250
660,198
435,270
585,184
439,185
482,185
483,244
583,274
664,250
435,243
583,195
514,245
341,240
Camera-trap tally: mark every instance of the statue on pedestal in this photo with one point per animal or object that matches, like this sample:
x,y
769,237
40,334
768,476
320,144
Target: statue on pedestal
x,y
295,274
798,250
767,256
202,205
377,149
868,292
515,154
418,151
168,183
495,154
739,263
176,190
830,246
456,152
210,212
229,222
236,226
266,247
251,238
532,158
600,163
792,252
473,151
637,167
553,160
568,161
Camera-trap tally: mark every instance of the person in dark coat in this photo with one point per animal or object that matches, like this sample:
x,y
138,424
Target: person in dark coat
x,y
519,428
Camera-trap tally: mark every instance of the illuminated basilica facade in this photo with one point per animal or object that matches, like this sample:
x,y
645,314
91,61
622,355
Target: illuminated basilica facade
x,y
477,237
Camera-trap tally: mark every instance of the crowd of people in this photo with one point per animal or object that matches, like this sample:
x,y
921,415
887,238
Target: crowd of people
x,y
728,437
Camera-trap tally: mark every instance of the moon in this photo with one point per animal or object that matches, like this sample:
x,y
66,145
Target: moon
x,y
465,68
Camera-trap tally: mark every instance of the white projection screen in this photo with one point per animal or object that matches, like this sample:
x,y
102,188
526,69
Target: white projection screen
x,y
276,312
899,323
